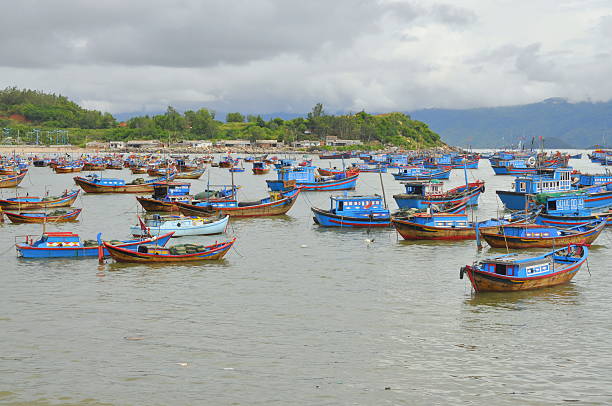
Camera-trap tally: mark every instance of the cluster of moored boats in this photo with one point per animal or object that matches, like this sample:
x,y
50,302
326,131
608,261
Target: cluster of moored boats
x,y
550,206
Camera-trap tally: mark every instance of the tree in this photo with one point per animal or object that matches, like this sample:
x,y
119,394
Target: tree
x,y
234,118
202,123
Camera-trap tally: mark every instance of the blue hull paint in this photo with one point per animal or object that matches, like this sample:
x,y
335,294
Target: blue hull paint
x,y
336,184
76,252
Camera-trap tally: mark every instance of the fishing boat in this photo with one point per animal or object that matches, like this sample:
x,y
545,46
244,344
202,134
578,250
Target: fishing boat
x,y
305,178
540,236
182,253
513,272
165,196
94,166
260,168
419,173
236,169
95,184
70,245
195,174
180,225
563,210
57,216
447,224
12,181
353,211
69,168
33,202
276,204
137,170
421,194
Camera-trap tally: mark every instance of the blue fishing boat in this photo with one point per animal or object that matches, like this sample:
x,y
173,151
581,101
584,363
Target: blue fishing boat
x,y
305,178
514,166
70,245
421,194
418,173
353,211
95,184
285,163
567,210
512,272
592,179
527,185
540,236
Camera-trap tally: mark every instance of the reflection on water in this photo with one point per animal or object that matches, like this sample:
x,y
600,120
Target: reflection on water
x,y
568,294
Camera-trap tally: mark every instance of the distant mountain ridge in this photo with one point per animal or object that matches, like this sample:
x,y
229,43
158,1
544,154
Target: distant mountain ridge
x,y
562,124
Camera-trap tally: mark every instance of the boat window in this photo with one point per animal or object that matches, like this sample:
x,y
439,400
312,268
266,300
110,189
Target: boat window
x,y
340,206
552,205
501,269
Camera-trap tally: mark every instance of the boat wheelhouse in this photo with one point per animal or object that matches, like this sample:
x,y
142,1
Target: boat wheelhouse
x,y
353,211
559,181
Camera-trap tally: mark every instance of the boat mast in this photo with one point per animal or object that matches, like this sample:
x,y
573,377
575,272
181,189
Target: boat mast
x,y
382,186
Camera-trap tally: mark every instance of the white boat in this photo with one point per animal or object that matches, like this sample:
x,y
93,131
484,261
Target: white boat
x,y
181,225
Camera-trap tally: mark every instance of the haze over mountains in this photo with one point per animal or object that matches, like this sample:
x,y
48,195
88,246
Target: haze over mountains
x,y
562,124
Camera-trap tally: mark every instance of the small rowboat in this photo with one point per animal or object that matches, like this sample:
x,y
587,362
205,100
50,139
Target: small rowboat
x,y
150,255
58,216
512,272
12,181
539,236
180,225
32,202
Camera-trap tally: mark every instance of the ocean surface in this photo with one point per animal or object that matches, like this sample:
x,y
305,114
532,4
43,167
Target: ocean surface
x,y
294,315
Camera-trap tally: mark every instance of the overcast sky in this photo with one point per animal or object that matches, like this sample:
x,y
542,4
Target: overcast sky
x,y
262,56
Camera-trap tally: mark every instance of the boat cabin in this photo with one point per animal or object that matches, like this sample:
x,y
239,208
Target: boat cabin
x,y
358,206
58,239
565,205
511,265
594,179
170,190
559,181
424,188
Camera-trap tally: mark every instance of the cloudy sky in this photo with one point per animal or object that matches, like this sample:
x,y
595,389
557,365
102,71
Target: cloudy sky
x,y
262,56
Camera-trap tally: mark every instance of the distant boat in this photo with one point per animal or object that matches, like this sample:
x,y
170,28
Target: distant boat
x,y
94,184
511,272
183,253
418,173
33,202
57,216
260,168
421,194
276,204
539,236
195,174
12,181
305,178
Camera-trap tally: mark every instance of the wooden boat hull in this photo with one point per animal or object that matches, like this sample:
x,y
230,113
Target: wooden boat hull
x,y
90,187
93,167
61,169
214,252
260,171
274,208
487,282
414,231
153,205
12,181
22,219
63,201
138,170
496,240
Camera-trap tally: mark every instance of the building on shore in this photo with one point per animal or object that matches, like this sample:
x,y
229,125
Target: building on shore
x,y
96,145
306,144
268,143
194,144
143,144
116,144
334,141
233,143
